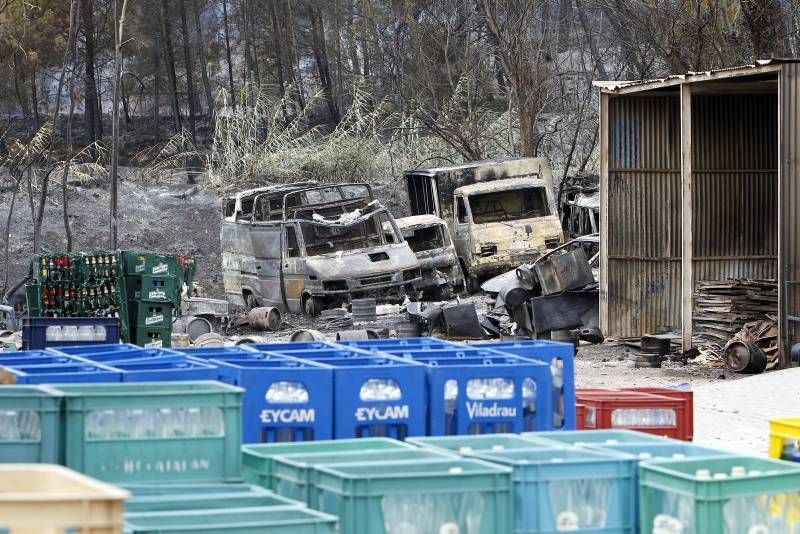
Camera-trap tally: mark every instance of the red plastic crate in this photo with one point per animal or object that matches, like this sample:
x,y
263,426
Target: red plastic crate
x,y
580,417
603,407
688,400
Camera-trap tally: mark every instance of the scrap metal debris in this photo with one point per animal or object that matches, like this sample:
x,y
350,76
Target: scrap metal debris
x,y
559,291
723,307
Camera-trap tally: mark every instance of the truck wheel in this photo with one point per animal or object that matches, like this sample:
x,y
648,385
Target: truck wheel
x,y
441,293
472,284
312,306
250,300
467,283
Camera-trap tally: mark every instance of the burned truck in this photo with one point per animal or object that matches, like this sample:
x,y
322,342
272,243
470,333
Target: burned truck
x,y
307,247
501,213
429,238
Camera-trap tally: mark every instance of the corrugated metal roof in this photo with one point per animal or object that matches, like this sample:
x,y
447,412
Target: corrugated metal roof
x,y
760,66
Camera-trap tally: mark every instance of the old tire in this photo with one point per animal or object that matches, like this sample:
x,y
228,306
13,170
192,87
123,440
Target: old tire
x,y
743,358
312,306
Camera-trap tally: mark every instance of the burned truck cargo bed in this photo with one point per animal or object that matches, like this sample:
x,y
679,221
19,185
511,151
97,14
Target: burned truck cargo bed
x,y
307,247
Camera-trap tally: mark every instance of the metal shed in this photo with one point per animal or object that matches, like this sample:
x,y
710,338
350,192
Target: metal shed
x,y
699,180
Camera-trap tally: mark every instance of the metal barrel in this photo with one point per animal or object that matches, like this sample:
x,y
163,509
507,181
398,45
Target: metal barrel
x,y
265,318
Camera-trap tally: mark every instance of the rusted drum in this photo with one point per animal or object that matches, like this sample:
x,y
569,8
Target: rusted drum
x,y
191,325
265,318
251,340
212,339
307,335
180,340
356,335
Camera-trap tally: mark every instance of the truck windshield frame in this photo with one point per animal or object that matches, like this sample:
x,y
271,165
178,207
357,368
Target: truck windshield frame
x,y
509,205
425,238
320,238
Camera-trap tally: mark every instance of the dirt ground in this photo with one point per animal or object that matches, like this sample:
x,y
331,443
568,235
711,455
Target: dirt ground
x,y
162,217
151,217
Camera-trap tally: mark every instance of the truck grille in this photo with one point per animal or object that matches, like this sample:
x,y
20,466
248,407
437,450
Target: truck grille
x,y
373,280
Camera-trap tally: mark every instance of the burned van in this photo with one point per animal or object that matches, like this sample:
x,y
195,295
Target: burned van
x,y
501,213
307,247
429,238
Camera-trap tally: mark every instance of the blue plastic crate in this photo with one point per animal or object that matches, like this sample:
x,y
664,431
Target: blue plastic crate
x,y
487,395
288,346
285,399
136,356
320,353
207,353
561,357
85,350
569,489
65,373
37,358
34,330
406,342
374,396
166,371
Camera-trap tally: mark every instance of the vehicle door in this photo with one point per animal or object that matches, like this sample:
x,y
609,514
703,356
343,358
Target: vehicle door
x,y
461,222
293,267
265,238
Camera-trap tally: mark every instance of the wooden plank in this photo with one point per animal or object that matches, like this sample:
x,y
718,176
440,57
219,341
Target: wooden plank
x,y
687,216
604,156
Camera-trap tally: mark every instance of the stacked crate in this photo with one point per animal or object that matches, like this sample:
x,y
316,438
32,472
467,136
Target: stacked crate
x,y
83,284
153,294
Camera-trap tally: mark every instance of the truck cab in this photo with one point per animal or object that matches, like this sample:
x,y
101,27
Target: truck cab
x,y
501,213
306,247
429,238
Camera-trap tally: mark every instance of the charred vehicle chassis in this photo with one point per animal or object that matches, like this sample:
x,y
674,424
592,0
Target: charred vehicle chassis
x,y
307,247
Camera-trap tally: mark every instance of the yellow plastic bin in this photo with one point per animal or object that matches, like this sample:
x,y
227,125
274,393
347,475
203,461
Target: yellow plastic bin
x,y
782,431
49,499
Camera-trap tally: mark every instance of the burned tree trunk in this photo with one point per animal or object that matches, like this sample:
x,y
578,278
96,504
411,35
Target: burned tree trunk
x,y
91,114
166,38
201,51
277,40
321,57
187,65
228,51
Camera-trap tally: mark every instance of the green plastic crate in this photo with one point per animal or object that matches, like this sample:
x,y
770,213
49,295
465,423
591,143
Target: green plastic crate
x,y
596,437
150,490
733,494
145,263
29,425
257,458
295,474
144,315
481,442
152,337
153,432
570,489
429,495
271,520
152,288
207,501
33,299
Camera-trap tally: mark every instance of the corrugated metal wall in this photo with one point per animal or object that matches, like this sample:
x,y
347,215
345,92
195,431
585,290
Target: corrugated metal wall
x,y
735,179
789,190
644,214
